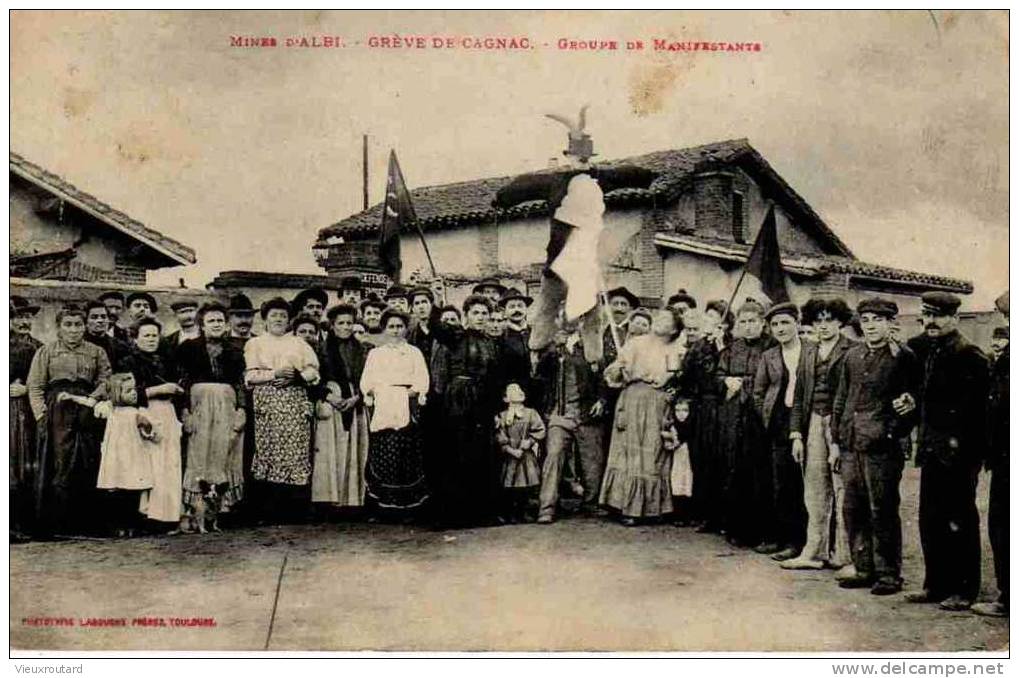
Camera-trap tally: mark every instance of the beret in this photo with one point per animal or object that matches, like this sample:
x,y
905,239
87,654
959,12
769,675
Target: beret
x,y
885,308
941,303
786,307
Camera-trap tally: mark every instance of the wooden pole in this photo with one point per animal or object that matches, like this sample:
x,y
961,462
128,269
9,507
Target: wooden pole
x,y
364,167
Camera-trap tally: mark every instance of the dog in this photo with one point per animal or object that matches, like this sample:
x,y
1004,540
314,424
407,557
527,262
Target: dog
x,y
206,515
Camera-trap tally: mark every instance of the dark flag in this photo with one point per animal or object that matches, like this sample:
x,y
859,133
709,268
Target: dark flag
x,y
397,212
764,271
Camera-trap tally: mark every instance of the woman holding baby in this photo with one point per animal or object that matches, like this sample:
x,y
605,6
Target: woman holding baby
x,y
636,482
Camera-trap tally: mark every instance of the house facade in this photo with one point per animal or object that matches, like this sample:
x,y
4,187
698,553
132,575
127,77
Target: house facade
x,y
67,247
691,229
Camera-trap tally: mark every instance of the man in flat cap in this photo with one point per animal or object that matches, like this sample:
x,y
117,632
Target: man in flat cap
x,y
186,312
351,290
997,465
871,418
774,393
952,407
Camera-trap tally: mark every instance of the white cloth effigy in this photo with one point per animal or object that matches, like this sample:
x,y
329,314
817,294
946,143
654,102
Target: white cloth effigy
x,y
390,371
577,263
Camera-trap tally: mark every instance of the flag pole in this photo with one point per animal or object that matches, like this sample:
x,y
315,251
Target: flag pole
x,y
604,297
728,308
417,224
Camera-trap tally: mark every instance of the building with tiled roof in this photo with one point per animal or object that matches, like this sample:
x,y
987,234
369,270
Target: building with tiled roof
x,y
692,228
60,232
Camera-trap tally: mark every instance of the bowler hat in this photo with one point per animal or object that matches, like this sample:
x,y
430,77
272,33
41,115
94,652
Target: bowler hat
x,y
21,306
621,291
240,305
486,283
886,308
144,296
513,293
940,303
351,282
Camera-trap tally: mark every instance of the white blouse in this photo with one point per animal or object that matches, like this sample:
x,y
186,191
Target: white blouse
x,y
646,358
389,372
267,353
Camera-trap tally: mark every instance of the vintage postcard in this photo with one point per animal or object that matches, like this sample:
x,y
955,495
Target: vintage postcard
x,y
547,331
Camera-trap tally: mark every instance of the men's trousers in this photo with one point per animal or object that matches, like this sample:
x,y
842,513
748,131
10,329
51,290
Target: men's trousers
x,y
565,434
950,529
871,508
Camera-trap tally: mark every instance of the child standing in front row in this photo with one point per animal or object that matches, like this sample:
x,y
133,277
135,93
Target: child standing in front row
x,y
519,431
675,435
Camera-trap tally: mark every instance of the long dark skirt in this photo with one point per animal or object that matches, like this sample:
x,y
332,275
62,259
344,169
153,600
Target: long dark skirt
x,y
24,466
468,490
706,462
747,487
66,495
395,472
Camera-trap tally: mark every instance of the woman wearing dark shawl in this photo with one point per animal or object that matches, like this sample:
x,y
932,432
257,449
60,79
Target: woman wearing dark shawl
x,y
467,465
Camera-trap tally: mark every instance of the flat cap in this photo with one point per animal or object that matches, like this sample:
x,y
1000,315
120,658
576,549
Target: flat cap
x,y
940,303
184,303
886,308
421,291
396,292
784,308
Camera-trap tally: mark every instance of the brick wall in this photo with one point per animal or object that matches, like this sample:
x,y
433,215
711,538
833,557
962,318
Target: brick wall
x,y
713,204
652,265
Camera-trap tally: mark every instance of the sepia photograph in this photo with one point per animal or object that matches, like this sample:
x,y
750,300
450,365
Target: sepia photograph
x,y
519,331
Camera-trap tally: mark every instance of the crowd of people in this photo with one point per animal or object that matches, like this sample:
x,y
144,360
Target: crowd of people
x,y
782,429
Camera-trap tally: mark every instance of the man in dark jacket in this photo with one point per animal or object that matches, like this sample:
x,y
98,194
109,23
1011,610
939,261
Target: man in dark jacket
x,y
952,408
775,387
870,418
514,305
573,404
997,465
810,432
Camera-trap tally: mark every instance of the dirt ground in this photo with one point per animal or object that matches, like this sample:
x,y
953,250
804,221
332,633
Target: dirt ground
x,y
580,584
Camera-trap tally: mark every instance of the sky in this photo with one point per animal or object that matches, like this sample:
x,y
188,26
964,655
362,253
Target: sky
x,y
892,125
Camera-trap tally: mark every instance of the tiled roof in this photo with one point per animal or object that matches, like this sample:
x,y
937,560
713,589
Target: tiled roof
x,y
168,247
469,202
812,265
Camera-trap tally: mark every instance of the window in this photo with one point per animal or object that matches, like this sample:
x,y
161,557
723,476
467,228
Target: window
x,y
739,229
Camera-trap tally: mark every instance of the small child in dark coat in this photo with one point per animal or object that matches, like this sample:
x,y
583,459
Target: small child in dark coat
x,y
675,436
